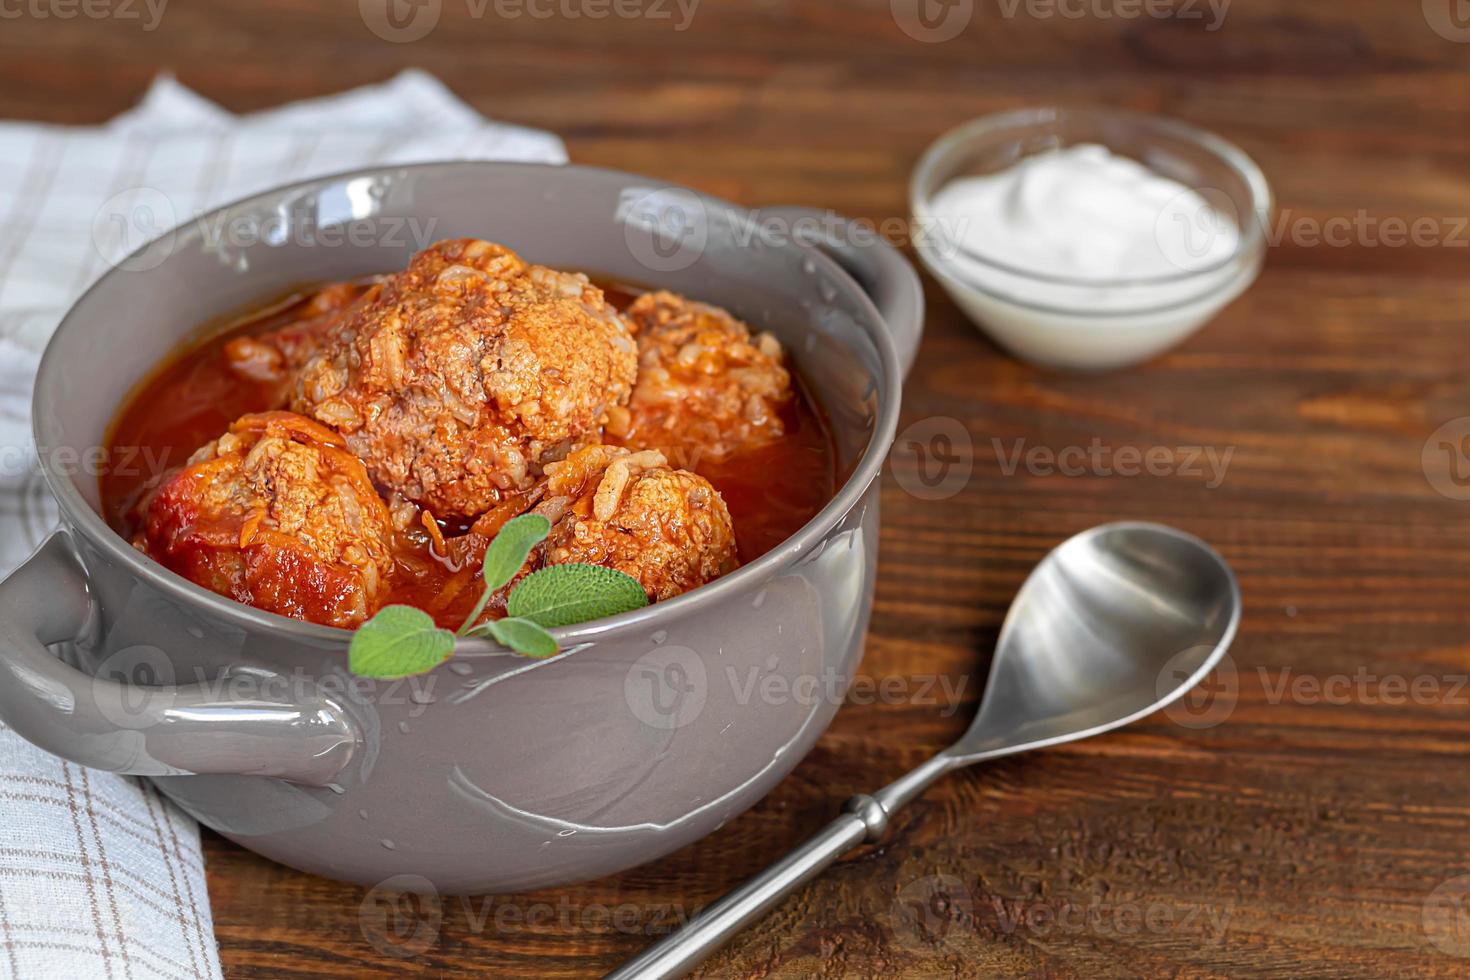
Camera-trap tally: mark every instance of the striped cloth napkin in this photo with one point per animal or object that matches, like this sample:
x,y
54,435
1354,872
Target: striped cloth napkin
x,y
100,876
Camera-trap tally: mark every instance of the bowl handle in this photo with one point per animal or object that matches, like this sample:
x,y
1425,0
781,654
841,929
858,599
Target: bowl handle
x,y
880,269
295,733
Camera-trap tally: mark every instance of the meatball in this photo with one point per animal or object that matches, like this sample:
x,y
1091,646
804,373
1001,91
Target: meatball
x,y
276,513
466,371
667,528
706,387
274,357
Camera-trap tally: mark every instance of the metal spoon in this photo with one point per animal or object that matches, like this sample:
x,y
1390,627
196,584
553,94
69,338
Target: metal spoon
x,y
1114,624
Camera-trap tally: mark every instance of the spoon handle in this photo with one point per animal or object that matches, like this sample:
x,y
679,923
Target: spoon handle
x,y
863,819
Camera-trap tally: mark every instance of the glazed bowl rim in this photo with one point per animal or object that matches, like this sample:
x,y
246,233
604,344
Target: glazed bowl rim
x,y
80,517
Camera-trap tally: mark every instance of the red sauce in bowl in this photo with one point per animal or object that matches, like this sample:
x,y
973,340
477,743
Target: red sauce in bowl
x,y
771,491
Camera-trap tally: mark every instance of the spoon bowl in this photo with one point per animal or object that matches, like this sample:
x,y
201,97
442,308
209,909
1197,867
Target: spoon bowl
x,y
1114,624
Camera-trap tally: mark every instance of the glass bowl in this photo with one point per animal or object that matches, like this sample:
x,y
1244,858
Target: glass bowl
x,y
1095,323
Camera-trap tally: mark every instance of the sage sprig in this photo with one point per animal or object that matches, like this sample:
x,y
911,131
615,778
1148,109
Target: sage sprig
x,y
401,640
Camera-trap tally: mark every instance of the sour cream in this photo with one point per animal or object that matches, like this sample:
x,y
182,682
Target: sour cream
x,y
1084,213
1080,257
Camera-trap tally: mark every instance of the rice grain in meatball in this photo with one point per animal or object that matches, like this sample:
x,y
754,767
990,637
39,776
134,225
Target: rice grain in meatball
x,y
467,371
278,514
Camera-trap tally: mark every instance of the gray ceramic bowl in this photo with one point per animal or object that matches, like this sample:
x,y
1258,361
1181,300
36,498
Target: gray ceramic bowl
x,y
494,772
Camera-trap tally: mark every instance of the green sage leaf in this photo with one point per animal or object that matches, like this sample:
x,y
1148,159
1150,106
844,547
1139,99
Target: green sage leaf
x,y
510,548
560,595
522,636
398,642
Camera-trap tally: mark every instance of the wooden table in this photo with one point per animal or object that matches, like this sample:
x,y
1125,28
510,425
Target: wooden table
x,y
1320,831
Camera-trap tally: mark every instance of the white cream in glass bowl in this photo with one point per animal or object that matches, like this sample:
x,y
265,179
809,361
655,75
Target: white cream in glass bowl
x,y
1089,239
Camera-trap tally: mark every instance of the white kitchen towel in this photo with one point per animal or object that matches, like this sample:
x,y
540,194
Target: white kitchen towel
x,y
99,875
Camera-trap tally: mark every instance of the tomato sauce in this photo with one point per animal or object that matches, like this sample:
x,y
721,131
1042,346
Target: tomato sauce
x,y
771,491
